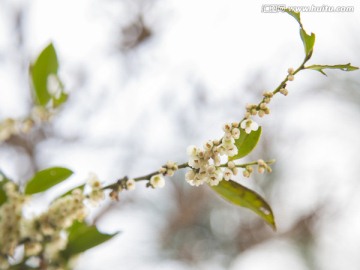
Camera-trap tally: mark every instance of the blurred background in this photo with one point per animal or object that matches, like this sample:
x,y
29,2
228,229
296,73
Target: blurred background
x,y
146,79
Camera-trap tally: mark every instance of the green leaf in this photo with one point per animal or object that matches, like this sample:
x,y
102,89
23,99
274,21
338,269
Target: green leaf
x,y
83,237
3,196
242,196
60,100
246,143
308,41
294,14
47,178
320,68
45,65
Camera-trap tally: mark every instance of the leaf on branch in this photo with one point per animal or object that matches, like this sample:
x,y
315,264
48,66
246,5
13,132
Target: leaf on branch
x,y
294,14
57,101
308,40
83,237
244,197
246,143
320,68
45,65
45,179
42,71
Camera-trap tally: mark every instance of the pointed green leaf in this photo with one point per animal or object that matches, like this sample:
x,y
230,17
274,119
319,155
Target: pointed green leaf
x,y
47,178
320,68
294,14
242,196
83,237
246,143
60,100
308,41
45,65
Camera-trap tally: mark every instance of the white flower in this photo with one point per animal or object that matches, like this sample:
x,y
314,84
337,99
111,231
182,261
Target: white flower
x,y
215,178
189,175
227,128
249,125
231,151
227,174
194,162
130,184
235,133
191,150
157,181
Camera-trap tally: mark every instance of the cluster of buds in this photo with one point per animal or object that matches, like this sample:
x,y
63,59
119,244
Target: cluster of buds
x,y
291,74
290,78
262,166
10,127
261,109
10,219
62,213
126,183
248,171
169,169
205,162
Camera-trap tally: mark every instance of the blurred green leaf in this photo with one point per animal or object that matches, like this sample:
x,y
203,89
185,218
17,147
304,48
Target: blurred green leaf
x,y
47,178
60,100
242,196
45,65
83,237
3,196
294,14
3,181
308,41
320,68
246,143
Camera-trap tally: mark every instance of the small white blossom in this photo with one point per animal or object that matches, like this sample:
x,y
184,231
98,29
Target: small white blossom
x,y
191,150
190,175
157,181
227,127
227,174
130,184
235,133
248,125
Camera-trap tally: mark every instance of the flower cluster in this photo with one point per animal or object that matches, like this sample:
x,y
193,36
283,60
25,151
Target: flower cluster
x,y
10,217
169,169
262,166
290,78
10,127
205,162
248,171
